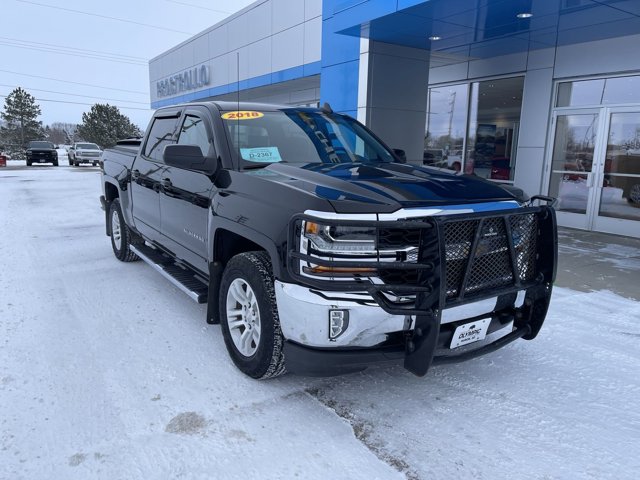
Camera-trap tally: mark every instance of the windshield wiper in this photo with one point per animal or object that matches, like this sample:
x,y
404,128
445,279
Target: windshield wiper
x,y
257,166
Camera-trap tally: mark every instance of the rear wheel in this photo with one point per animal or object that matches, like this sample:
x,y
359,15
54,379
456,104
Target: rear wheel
x,y
121,236
249,316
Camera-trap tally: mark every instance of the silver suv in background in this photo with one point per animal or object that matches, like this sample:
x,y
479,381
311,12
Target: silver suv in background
x,y
82,152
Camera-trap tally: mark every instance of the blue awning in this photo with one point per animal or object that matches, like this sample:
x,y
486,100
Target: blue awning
x,y
465,29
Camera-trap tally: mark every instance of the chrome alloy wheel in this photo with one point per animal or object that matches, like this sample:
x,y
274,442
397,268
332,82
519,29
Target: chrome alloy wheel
x,y
243,317
116,233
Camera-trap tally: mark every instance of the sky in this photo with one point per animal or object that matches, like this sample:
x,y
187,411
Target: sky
x,y
98,56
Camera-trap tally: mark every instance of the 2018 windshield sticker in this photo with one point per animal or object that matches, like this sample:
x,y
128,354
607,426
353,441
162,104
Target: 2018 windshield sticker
x,y
261,154
242,115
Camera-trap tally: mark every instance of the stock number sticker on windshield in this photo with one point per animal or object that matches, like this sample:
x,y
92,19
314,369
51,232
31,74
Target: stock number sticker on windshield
x,y
242,115
261,154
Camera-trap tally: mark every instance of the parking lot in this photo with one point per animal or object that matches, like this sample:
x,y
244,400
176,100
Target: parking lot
x,y
108,371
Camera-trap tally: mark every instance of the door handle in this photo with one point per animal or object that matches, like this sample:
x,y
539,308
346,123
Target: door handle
x,y
135,174
166,183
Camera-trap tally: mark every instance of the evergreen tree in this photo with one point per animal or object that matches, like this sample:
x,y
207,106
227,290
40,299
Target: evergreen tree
x,y
105,125
20,115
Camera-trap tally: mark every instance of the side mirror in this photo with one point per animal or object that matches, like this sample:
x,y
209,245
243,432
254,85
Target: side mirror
x,y
401,155
189,157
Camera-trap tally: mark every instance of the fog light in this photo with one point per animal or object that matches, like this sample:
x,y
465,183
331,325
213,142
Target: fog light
x,y
338,323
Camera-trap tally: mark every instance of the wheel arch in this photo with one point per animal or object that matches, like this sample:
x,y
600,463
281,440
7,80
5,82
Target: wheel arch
x,y
111,192
229,240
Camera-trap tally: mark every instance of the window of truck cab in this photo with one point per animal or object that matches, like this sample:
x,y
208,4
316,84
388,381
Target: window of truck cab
x,y
37,144
160,135
194,132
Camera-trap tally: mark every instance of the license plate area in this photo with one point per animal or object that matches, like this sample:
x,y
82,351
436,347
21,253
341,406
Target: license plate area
x,y
470,333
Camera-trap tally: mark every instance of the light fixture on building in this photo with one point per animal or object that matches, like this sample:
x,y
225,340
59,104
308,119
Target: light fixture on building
x,y
524,15
434,38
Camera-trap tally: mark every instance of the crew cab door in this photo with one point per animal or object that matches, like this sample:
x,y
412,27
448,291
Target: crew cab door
x,y
186,195
147,172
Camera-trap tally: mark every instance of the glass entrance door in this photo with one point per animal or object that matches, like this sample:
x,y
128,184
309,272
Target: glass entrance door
x,y
595,169
617,202
572,179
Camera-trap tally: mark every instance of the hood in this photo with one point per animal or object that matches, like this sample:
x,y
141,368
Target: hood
x,y
385,187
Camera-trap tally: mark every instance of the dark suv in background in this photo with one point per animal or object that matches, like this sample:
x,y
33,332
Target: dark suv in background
x,y
41,152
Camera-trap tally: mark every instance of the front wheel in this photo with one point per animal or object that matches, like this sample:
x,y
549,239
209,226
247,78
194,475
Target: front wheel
x,y
249,316
634,194
121,235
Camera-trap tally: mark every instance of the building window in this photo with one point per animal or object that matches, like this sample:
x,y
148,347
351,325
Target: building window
x,y
474,127
601,91
446,126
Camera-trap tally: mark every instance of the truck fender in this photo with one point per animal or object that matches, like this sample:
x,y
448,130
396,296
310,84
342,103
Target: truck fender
x,y
216,265
112,190
264,242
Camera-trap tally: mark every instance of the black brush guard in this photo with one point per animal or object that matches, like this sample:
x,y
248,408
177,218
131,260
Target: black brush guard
x,y
459,259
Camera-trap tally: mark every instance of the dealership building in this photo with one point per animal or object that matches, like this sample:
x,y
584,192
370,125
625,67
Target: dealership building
x,y
541,94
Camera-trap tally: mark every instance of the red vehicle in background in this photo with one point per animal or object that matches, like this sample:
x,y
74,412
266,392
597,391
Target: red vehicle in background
x,y
498,168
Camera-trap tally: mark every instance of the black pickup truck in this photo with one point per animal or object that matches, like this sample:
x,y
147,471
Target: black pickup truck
x,y
41,152
319,249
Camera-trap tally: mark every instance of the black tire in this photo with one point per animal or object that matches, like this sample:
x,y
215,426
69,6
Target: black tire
x,y
634,194
28,163
95,164
122,251
55,164
254,268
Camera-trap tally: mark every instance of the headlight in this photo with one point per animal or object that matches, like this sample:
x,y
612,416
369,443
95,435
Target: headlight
x,y
341,239
348,242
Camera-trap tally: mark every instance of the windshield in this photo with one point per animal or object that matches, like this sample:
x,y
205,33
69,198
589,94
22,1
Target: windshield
x,y
40,145
300,136
88,146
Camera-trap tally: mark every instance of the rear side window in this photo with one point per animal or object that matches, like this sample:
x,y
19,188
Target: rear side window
x,y
161,135
194,132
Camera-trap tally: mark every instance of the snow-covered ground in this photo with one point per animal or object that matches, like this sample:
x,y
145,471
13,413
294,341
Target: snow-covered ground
x,y
107,371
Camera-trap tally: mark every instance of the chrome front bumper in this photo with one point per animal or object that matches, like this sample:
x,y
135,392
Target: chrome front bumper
x,y
304,317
